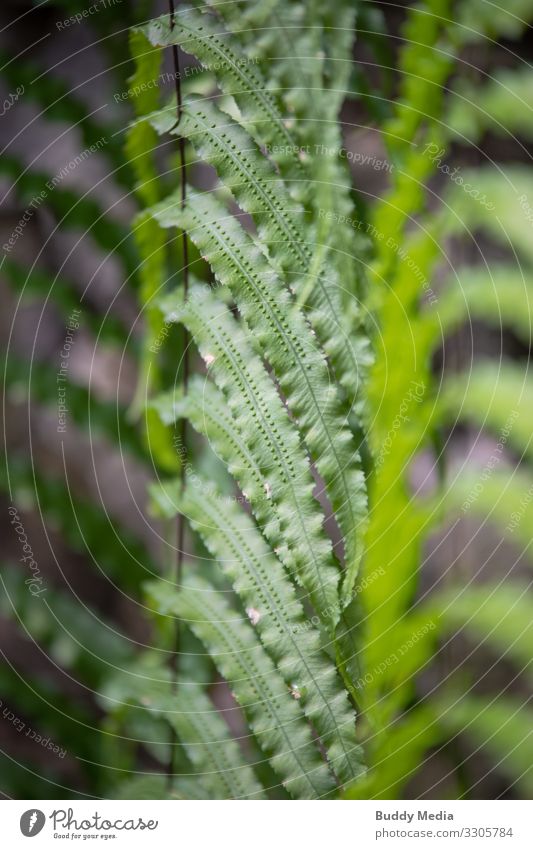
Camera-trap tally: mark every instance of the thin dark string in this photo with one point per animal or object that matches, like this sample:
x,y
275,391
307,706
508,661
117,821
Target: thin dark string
x,y
180,530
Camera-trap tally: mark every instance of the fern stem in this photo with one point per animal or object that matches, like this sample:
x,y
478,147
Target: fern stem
x,y
180,535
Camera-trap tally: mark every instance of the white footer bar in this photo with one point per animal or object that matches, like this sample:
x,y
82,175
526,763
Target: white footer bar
x,y
267,825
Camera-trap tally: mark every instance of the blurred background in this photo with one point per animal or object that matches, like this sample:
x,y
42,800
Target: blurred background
x,y
73,485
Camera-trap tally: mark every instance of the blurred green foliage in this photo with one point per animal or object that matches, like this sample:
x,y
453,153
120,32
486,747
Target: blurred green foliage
x,y
93,675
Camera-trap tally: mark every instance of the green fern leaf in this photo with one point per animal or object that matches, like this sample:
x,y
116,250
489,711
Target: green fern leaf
x,y
497,201
272,709
497,616
501,297
285,341
259,191
214,755
497,398
503,105
479,19
237,76
500,728
504,498
399,749
279,619
265,426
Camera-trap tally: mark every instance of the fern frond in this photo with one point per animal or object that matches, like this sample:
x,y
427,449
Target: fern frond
x,y
500,728
480,19
238,77
495,616
205,407
259,191
503,497
399,749
214,756
278,616
502,105
264,424
492,200
500,399
141,140
501,296
272,709
286,342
